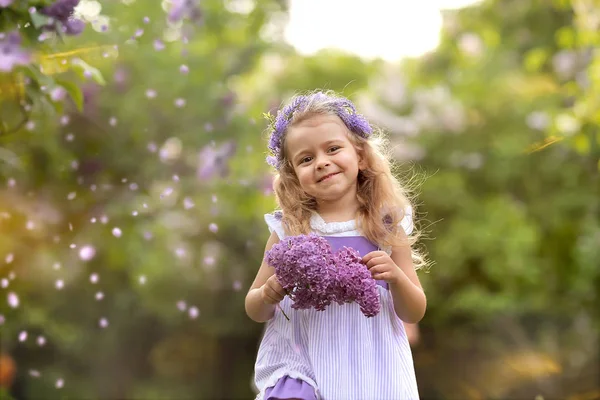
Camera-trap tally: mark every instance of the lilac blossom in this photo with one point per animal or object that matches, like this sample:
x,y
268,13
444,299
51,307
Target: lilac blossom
x,y
305,269
62,11
11,53
213,161
5,3
74,26
266,185
314,277
355,283
181,9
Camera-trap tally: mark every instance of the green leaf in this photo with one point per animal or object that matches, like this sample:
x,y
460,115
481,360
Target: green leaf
x,y
582,143
9,158
535,59
58,106
34,72
81,68
565,37
74,91
38,20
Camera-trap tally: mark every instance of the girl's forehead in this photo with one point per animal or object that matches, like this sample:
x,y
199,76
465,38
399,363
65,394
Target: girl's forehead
x,y
316,130
319,119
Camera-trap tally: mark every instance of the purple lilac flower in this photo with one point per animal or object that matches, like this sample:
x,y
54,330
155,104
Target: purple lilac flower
x,y
213,161
355,283
181,9
74,26
343,108
266,185
5,3
304,267
11,53
314,277
62,11
58,94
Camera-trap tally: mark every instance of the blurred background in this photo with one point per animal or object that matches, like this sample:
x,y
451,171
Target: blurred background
x,y
133,185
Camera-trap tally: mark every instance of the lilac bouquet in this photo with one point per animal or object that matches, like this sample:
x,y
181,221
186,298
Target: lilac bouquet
x,y
355,283
314,277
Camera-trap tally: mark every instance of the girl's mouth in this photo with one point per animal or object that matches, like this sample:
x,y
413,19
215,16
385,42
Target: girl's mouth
x,y
327,177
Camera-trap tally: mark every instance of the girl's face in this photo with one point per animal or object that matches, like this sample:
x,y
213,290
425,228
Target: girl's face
x,y
324,160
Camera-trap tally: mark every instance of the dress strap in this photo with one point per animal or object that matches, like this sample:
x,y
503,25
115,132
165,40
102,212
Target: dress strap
x,y
275,225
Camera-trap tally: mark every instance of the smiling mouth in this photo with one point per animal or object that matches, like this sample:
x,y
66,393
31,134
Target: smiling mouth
x,y
327,177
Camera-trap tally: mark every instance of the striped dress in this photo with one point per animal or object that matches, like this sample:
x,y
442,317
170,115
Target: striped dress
x,y
337,353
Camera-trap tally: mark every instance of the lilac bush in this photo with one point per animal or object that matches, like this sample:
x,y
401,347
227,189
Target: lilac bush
x,y
31,34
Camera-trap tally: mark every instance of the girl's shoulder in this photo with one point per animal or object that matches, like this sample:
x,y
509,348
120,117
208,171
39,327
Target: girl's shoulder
x,y
407,223
274,222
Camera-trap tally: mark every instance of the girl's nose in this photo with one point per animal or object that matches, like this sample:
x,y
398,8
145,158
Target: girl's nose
x,y
322,163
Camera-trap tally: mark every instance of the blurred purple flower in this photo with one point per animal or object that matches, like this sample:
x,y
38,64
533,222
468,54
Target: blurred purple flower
x,y
91,93
5,3
61,10
213,161
228,99
181,9
159,45
58,94
314,277
74,26
121,77
11,53
266,185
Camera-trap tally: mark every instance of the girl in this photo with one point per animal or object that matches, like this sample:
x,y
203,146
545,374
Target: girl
x,y
333,180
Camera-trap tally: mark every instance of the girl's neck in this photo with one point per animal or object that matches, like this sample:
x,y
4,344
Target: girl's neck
x,y
341,210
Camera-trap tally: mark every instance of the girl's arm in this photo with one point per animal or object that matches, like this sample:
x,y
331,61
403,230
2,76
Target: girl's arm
x,y
409,298
256,308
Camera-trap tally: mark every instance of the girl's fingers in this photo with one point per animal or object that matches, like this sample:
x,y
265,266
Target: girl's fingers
x,y
269,299
377,270
277,288
381,277
274,284
372,255
375,261
275,294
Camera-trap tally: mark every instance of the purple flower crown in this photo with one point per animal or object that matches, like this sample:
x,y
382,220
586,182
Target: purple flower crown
x,y
341,106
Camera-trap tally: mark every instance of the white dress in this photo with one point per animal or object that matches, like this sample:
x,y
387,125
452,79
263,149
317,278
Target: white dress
x,y
339,352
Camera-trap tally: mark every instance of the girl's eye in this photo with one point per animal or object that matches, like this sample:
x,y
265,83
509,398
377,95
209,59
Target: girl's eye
x,y
334,148
305,160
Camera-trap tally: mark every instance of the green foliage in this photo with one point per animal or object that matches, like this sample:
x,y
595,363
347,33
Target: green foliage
x,y
512,195
149,298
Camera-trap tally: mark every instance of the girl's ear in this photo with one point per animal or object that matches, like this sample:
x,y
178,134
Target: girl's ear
x,y
362,162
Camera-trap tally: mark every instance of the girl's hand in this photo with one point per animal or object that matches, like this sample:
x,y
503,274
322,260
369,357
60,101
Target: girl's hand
x,y
382,267
272,292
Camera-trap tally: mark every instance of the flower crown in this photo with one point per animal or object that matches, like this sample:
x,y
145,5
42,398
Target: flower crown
x,y
341,106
